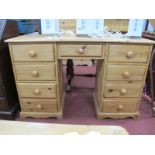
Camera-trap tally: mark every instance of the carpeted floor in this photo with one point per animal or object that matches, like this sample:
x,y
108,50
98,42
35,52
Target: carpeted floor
x,y
79,109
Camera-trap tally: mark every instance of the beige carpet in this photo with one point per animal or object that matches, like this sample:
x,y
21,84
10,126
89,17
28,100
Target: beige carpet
x,y
29,128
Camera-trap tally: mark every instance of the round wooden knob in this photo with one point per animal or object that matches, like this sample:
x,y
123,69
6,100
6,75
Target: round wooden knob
x,y
126,74
32,53
123,91
81,51
120,107
130,54
35,73
37,92
38,106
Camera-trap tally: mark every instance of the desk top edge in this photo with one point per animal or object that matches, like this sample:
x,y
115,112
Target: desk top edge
x,y
34,37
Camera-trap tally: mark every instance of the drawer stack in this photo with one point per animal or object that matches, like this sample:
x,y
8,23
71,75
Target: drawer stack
x,y
124,77
35,73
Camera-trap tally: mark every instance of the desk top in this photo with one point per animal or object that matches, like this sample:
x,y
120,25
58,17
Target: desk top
x,y
35,37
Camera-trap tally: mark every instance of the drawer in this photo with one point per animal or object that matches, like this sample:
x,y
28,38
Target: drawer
x,y
35,72
122,90
33,52
80,50
125,72
38,105
119,105
128,53
37,90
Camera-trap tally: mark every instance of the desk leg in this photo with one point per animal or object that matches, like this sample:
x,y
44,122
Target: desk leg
x,y
70,74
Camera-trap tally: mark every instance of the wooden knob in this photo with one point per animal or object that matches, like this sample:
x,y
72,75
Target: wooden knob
x,y
38,106
126,74
123,91
81,51
130,54
120,107
35,73
37,92
32,53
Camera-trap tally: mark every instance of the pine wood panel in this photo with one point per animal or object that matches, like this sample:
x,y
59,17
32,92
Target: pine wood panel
x,y
33,52
61,81
38,105
67,24
37,90
117,24
128,53
121,90
112,24
35,72
118,71
125,105
98,80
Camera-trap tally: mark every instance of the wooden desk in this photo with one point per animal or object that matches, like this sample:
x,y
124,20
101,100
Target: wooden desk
x,y
121,70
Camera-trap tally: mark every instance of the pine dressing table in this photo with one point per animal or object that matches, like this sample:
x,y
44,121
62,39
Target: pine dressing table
x,y
121,69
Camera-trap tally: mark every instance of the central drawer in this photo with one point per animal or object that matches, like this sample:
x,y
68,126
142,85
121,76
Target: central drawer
x,y
35,72
125,72
38,105
128,53
80,50
37,90
122,90
33,52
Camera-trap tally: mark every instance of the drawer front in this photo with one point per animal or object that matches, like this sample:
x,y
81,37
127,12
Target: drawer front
x,y
80,50
122,90
35,72
33,52
125,72
119,105
38,105
128,53
37,90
